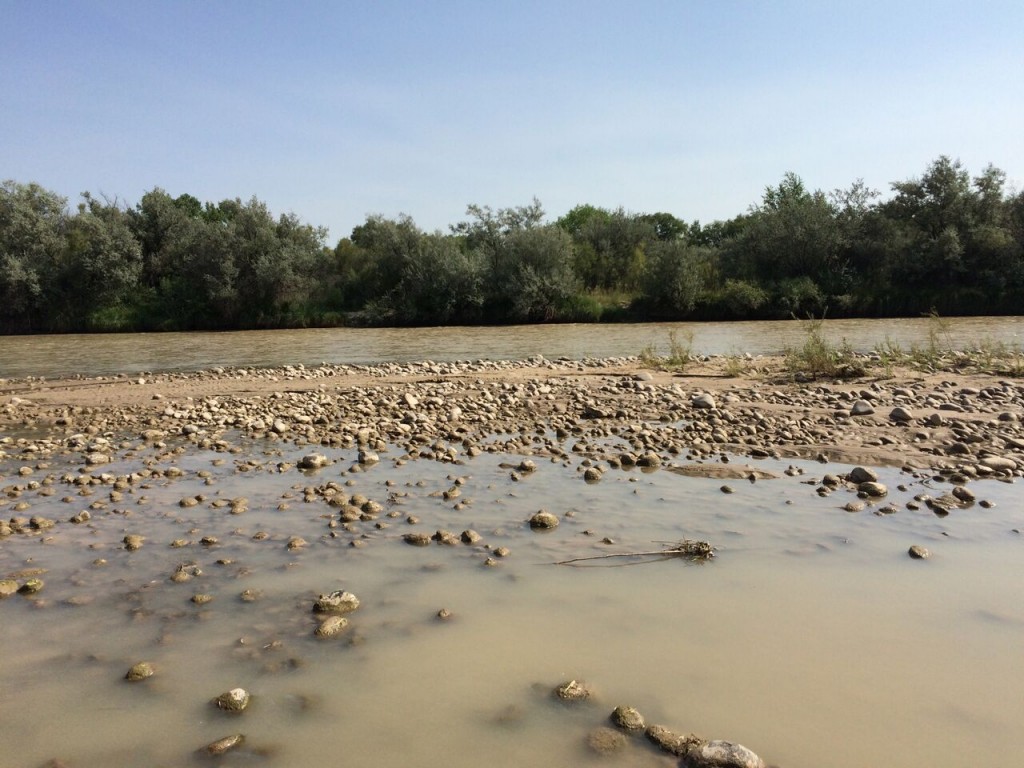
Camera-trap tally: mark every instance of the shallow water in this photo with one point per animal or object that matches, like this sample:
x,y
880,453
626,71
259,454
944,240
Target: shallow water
x,y
102,354
812,638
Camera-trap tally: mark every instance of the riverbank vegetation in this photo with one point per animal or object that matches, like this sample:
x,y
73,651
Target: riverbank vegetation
x,y
944,242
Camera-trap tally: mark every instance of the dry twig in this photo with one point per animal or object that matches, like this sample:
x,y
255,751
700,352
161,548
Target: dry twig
x,y
687,548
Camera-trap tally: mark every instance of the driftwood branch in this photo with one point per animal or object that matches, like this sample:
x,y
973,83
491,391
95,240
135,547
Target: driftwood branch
x,y
687,548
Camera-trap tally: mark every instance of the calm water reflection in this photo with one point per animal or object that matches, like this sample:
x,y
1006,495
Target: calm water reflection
x,y
132,353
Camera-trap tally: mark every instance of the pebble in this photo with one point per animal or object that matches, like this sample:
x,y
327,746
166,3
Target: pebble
x,y
139,671
872,489
338,602
573,691
544,521
628,718
235,700
918,552
224,745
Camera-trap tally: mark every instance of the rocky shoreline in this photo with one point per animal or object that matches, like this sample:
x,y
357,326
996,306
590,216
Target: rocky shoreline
x,y
963,425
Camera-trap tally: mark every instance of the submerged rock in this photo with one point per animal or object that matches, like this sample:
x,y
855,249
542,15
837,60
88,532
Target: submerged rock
x,y
7,587
331,626
221,746
605,741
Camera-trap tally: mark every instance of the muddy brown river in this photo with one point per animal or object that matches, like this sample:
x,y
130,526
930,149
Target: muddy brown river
x,y
811,637
103,354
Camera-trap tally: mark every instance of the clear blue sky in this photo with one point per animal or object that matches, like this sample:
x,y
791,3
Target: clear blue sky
x,y
333,110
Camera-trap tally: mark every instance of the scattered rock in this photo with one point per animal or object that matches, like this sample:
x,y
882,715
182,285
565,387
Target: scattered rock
x,y
999,463
963,494
222,746
573,691
872,489
860,475
417,539
628,718
235,700
313,461
723,754
649,460
901,415
861,408
7,587
918,552
543,521
133,541
140,671
703,401
336,602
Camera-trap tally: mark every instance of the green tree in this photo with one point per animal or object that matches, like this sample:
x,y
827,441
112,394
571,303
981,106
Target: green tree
x,y
675,275
102,266
666,226
611,251
441,283
793,235
33,222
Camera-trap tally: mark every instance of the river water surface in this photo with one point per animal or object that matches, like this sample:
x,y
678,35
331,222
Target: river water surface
x,y
99,354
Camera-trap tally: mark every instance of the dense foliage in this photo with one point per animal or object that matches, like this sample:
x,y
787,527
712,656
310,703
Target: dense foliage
x,y
943,242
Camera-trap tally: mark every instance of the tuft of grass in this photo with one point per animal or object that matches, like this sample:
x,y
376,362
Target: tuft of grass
x,y
937,352
817,357
680,353
736,364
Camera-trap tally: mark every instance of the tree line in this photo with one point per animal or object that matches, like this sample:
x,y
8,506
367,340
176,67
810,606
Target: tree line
x,y
945,242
